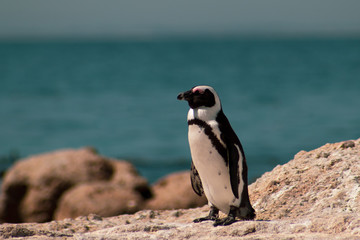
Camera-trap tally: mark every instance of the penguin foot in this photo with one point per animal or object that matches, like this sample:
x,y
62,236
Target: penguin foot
x,y
231,218
213,216
225,221
207,218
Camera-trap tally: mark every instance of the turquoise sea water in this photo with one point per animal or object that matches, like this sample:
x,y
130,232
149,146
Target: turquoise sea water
x,y
280,95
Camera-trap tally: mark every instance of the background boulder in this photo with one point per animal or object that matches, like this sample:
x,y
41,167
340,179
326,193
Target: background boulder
x,y
102,198
71,183
173,192
32,187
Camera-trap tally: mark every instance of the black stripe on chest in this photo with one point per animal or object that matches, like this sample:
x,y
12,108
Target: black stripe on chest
x,y
211,135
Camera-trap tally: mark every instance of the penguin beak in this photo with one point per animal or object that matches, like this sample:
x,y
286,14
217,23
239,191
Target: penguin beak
x,y
185,95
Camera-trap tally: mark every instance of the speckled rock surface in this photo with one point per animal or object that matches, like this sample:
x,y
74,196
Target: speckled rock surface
x,y
324,181
177,224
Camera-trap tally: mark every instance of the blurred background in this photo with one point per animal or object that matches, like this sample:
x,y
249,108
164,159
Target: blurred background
x,y
106,74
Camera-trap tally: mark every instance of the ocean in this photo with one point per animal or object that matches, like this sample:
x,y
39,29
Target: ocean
x,y
280,95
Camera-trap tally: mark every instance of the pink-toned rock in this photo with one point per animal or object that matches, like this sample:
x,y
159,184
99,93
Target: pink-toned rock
x,y
126,176
324,181
32,187
102,198
173,192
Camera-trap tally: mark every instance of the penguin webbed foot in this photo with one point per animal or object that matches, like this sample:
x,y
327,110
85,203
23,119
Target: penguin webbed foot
x,y
207,218
225,221
231,218
213,216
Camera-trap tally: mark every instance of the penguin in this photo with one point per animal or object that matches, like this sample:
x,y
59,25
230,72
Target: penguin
x,y
218,167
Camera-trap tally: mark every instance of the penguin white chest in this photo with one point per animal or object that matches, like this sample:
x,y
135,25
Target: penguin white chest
x,y
212,168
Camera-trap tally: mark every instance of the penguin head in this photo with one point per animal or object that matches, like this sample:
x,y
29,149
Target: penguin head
x,y
201,97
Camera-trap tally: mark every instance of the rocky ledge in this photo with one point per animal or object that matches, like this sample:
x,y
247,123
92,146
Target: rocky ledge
x,y
314,196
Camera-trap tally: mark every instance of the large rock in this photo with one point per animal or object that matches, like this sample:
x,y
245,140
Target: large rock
x,y
173,192
126,176
32,187
325,181
102,198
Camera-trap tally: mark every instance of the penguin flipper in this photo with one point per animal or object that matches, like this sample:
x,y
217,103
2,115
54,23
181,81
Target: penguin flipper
x,y
233,158
233,146
196,181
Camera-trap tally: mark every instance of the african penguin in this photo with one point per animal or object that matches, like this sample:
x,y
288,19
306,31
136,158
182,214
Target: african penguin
x,y
218,167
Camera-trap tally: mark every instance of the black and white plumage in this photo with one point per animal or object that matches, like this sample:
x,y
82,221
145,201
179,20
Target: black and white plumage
x,y
218,167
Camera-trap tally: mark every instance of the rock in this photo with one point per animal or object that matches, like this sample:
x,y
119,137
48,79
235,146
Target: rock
x,y
125,175
173,192
322,182
177,224
314,196
32,187
348,144
103,198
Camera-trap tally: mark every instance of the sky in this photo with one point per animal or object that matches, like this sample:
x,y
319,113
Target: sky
x,y
21,19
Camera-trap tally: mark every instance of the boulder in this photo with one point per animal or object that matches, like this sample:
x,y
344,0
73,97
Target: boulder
x,y
102,198
322,182
173,192
32,187
126,176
